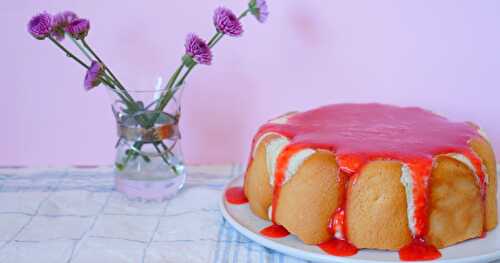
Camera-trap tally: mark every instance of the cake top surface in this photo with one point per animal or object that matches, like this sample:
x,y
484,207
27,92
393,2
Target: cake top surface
x,y
357,132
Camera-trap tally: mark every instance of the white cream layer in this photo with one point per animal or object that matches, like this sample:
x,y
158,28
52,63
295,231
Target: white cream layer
x,y
274,148
283,119
463,159
280,120
260,139
296,161
407,181
293,165
483,134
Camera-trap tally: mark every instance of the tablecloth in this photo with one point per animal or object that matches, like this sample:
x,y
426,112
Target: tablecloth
x,y
74,215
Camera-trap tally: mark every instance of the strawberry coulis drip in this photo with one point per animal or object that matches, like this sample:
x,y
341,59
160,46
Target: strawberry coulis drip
x,y
358,133
279,176
274,231
418,249
236,195
338,247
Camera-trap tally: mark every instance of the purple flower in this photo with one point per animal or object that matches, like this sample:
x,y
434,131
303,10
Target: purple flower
x,y
258,8
198,50
40,25
226,22
60,22
78,28
93,76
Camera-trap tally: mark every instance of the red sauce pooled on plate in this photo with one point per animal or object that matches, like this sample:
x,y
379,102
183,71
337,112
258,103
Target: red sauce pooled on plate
x,y
338,247
274,231
418,249
236,196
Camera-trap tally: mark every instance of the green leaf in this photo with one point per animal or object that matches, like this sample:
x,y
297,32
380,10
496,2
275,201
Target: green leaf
x,y
119,166
146,159
188,61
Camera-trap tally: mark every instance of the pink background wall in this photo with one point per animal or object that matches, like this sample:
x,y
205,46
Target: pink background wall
x,y
442,55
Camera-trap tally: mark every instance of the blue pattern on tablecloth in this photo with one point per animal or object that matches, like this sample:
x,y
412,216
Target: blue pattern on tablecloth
x,y
73,215
241,249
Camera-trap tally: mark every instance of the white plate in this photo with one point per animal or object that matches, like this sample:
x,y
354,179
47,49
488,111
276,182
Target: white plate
x,y
243,220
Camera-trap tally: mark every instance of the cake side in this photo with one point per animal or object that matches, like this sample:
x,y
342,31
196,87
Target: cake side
x,y
376,207
483,149
310,197
455,207
256,185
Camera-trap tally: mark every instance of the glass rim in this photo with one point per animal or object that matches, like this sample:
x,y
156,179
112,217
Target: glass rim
x,y
146,90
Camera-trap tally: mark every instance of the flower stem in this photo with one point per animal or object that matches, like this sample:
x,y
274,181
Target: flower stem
x,y
217,40
160,106
104,65
132,103
81,48
68,53
129,101
164,101
181,81
71,55
213,38
165,158
244,14
124,95
173,87
171,92
87,55
213,41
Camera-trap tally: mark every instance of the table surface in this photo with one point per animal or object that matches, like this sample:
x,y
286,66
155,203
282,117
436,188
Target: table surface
x,y
74,215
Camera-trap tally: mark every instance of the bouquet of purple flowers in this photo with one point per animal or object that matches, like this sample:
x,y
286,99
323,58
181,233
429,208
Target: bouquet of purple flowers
x,y
146,118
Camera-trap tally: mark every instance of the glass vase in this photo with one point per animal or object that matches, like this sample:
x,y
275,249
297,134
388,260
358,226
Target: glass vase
x,y
149,165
